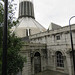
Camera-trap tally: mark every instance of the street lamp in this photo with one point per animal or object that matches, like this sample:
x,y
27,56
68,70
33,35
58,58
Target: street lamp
x,y
72,44
4,55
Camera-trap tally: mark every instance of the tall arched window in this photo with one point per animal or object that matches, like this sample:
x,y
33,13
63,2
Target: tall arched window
x,y
59,59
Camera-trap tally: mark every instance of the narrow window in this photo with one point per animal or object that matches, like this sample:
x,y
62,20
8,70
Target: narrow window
x,y
21,8
57,37
28,32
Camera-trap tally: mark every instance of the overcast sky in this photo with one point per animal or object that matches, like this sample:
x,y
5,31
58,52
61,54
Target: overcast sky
x,y
56,11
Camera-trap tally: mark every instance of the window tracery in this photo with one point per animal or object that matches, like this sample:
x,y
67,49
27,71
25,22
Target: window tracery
x,y
59,59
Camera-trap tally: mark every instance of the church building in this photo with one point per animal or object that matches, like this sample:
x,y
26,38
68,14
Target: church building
x,y
44,49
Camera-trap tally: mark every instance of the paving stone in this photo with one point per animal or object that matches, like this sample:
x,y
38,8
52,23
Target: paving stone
x,y
49,72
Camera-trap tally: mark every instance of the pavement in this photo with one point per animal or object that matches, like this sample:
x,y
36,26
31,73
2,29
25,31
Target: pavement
x,y
49,72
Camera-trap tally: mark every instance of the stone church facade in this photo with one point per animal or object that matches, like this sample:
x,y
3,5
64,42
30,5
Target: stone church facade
x,y
50,50
44,49
59,57
36,55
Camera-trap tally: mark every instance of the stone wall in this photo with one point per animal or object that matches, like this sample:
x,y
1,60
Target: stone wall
x,y
57,40
28,50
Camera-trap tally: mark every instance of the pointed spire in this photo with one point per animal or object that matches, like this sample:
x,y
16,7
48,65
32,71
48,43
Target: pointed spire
x,y
26,8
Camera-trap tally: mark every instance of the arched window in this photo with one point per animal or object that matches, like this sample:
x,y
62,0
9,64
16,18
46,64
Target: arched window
x,y
59,59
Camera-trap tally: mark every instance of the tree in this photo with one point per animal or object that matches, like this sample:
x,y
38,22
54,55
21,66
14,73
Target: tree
x,y
1,20
14,59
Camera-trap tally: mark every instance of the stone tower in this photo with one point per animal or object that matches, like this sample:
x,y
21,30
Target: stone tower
x,y
26,9
27,24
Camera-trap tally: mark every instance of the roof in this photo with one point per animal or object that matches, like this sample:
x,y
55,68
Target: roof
x,y
28,23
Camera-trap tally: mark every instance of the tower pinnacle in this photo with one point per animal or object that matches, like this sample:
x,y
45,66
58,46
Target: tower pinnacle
x,y
26,8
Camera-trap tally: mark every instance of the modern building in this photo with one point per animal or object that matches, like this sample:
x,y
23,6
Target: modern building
x,y
46,49
27,23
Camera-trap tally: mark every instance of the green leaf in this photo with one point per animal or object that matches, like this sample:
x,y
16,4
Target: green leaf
x,y
15,62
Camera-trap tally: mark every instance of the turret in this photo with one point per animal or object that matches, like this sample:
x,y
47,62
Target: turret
x,y
26,8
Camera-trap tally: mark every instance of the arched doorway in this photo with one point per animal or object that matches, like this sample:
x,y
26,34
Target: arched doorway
x,y
37,62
